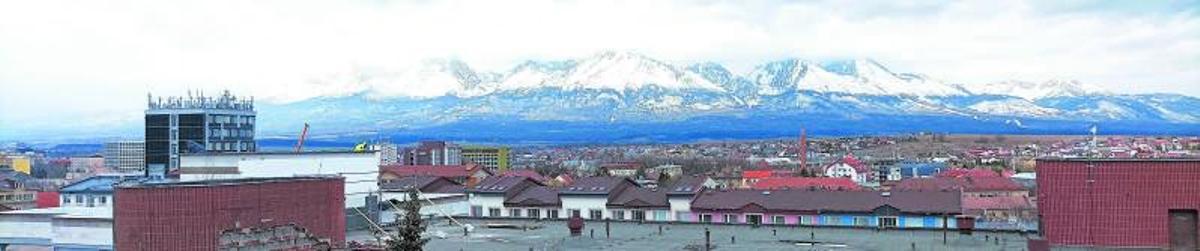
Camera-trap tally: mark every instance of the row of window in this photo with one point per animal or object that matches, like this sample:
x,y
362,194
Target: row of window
x,y
90,200
226,119
230,133
230,146
16,197
861,221
594,214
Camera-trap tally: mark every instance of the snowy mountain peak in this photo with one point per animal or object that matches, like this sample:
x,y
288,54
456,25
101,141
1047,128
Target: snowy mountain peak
x,y
1032,91
856,67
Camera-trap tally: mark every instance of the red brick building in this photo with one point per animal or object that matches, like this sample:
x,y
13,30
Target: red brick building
x,y
1119,203
193,215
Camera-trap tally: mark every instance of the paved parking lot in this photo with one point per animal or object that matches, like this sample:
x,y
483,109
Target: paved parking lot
x,y
553,235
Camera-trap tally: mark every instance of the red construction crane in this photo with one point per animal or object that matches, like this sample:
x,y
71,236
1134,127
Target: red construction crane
x,y
300,142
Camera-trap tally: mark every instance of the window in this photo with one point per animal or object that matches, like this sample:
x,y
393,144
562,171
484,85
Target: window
x,y
576,213
729,218
595,214
619,214
553,214
515,213
66,199
755,219
888,222
638,215
477,211
493,212
829,220
534,213
91,201
706,218
103,200
79,198
862,221
779,219
806,220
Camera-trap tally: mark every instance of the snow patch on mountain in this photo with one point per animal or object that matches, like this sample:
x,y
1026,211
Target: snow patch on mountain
x,y
1033,91
1013,107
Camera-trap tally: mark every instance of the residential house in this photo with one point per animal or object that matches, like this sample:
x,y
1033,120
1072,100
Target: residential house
x,y
682,191
589,197
489,197
639,204
537,202
923,210
621,169
849,167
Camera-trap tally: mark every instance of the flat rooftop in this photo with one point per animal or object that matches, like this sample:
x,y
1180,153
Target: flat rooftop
x,y
553,235
223,182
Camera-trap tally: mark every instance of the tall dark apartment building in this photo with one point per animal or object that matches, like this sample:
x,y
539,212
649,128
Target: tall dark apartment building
x,y
196,124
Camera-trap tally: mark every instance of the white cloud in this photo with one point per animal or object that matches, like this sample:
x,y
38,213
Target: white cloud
x,y
77,58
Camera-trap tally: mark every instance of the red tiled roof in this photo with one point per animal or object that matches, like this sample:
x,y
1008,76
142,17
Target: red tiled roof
x,y
457,171
805,183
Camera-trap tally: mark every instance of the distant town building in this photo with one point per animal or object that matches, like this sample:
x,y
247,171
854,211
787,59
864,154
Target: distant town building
x,y
235,214
433,153
196,124
621,169
19,163
388,153
125,156
849,167
494,158
14,194
83,167
95,191
1119,203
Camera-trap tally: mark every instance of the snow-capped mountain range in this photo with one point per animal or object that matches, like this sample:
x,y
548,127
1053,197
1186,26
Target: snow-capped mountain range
x,y
619,88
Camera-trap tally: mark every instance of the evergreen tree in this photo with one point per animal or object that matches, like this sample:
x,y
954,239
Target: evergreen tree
x,y
410,227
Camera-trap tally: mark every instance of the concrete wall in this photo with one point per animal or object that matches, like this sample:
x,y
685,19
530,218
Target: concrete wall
x,y
585,203
488,201
359,169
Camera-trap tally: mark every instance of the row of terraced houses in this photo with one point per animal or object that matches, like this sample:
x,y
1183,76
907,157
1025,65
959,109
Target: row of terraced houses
x,y
694,200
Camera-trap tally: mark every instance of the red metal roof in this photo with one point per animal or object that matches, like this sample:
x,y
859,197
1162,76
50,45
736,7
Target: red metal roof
x,y
805,183
756,174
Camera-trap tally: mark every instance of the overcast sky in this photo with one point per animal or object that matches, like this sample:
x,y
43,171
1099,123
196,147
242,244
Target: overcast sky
x,y
96,60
